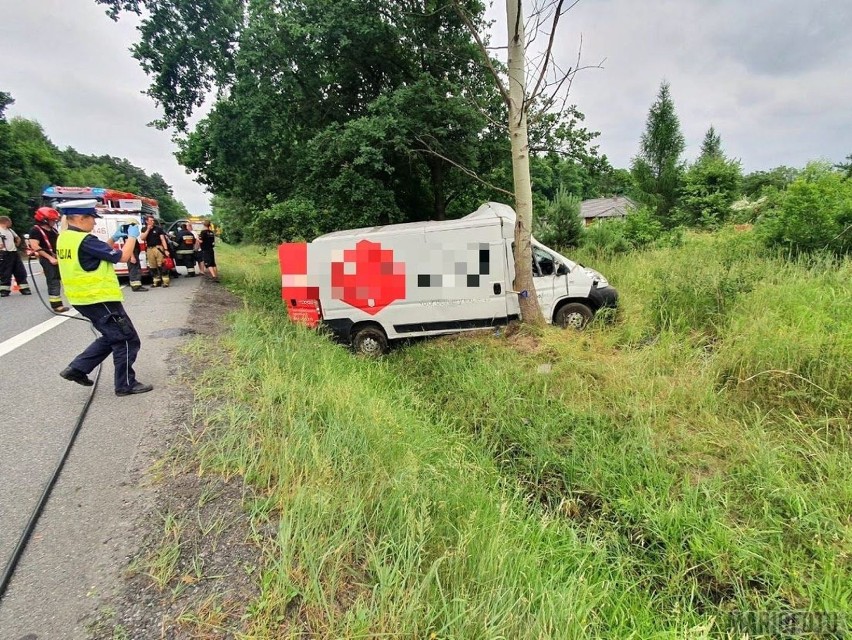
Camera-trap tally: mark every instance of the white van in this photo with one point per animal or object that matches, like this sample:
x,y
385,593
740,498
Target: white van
x,y
370,286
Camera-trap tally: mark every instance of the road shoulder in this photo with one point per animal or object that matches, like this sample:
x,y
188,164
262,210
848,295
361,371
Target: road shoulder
x,y
193,558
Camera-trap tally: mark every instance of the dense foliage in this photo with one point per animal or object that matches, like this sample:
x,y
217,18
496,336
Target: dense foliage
x,y
347,112
29,162
560,224
815,213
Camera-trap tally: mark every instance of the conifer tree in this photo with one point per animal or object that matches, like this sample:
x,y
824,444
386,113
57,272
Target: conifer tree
x,y
712,145
657,168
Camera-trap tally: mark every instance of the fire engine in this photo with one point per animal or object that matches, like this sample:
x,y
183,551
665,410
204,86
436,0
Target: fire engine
x,y
114,207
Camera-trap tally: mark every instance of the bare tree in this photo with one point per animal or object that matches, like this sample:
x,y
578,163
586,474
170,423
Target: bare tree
x,y
525,106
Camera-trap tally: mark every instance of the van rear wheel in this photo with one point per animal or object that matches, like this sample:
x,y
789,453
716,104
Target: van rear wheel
x,y
574,315
370,341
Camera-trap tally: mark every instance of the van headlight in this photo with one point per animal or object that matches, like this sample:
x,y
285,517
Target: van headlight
x,y
599,281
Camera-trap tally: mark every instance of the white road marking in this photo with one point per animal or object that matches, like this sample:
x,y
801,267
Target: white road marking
x,y
24,337
31,334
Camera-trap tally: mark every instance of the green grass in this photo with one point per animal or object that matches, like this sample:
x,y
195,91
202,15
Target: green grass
x,y
687,461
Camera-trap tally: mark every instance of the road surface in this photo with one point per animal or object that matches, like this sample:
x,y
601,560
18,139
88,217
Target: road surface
x,y
83,538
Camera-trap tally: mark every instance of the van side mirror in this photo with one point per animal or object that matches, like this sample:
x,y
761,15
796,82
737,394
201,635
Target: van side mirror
x,y
562,270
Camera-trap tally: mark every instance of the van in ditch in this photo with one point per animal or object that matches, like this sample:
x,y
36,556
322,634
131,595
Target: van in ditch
x,y
379,284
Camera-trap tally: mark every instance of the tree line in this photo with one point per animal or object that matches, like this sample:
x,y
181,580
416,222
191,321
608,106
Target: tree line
x,y
29,162
345,113
799,209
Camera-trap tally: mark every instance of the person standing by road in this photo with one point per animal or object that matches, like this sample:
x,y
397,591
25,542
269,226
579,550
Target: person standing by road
x,y
10,260
42,242
155,237
207,240
86,265
134,267
186,245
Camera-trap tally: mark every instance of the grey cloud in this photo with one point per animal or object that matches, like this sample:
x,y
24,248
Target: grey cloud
x,y
786,37
68,66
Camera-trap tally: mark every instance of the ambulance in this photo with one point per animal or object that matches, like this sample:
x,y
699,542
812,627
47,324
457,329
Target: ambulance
x,y
375,285
116,208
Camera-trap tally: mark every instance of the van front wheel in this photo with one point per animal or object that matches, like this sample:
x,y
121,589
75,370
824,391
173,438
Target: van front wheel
x,y
370,341
574,315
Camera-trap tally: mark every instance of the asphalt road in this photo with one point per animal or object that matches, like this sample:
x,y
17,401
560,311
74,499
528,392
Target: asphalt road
x,y
82,540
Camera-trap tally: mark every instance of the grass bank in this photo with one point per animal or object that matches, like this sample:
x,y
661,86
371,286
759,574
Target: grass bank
x,y
654,477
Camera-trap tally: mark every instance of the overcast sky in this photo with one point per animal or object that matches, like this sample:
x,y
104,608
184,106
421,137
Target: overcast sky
x,y
771,75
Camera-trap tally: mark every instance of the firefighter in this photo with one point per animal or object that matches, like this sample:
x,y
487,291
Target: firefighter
x,y
186,246
10,260
86,265
42,242
207,241
155,237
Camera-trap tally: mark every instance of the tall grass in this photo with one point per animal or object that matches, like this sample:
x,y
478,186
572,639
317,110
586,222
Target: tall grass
x,y
688,461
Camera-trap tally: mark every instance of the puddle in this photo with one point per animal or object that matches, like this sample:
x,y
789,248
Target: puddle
x,y
173,333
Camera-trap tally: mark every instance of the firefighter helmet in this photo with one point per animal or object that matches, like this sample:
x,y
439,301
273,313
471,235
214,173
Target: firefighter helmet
x,y
46,214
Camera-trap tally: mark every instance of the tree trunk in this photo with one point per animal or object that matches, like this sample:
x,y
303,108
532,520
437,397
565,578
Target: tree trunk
x,y
436,169
530,310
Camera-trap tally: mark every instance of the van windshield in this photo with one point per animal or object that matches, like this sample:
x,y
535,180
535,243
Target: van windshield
x,y
559,257
543,263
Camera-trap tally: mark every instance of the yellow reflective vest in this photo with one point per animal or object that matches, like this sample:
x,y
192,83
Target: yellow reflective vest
x,y
84,287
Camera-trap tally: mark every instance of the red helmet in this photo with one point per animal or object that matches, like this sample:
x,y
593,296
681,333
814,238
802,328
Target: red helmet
x,y
46,214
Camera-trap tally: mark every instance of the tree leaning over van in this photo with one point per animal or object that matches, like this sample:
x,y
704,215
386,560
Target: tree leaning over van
x,y
549,95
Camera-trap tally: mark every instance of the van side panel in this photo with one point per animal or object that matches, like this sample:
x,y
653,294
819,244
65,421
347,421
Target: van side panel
x,y
419,281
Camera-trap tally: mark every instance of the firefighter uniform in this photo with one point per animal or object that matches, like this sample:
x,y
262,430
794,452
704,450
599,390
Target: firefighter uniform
x,y
43,237
134,268
154,236
186,242
86,265
10,261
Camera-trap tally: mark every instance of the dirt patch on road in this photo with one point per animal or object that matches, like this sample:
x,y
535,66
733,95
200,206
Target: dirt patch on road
x,y
195,565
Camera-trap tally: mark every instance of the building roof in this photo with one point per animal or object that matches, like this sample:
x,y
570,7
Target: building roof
x,y
615,207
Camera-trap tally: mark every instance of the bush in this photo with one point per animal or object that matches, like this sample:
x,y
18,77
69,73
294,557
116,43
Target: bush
x,y
710,187
561,226
815,213
296,219
642,227
606,237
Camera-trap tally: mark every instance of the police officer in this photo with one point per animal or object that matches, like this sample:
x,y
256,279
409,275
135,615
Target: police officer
x,y
186,245
42,241
86,265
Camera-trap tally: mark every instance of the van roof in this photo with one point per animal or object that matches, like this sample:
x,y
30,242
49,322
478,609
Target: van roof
x,y
485,214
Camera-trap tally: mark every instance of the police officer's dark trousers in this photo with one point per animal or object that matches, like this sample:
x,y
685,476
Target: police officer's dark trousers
x,y
118,337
